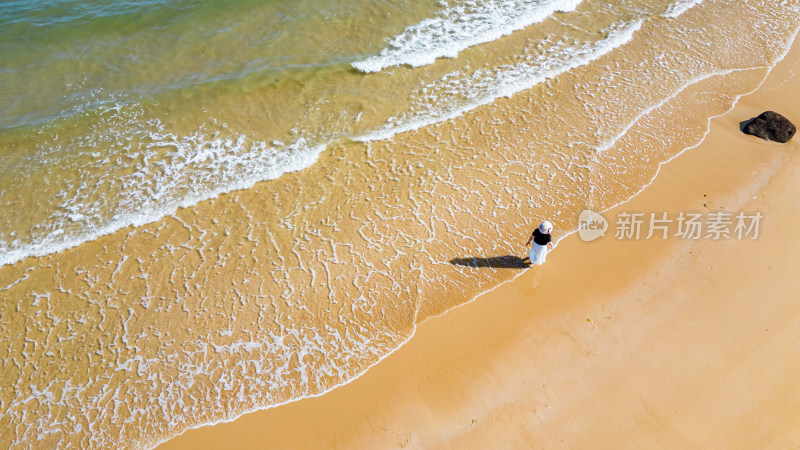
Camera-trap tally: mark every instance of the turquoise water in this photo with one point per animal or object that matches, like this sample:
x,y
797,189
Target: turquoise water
x,y
60,58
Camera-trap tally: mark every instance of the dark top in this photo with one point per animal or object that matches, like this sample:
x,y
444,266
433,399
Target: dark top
x,y
540,238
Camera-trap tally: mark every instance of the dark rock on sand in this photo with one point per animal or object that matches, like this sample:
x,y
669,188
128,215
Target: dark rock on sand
x,y
771,126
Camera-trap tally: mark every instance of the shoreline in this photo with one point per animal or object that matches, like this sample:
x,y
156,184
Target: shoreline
x,y
356,388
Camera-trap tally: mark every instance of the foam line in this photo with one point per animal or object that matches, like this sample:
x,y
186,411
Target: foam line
x,y
459,27
681,6
514,79
259,163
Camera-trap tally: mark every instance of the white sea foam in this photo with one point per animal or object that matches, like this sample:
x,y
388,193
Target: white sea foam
x,y
158,185
681,6
461,26
485,86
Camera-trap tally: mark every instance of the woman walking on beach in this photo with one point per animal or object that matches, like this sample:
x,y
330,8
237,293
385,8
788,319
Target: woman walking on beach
x,y
541,242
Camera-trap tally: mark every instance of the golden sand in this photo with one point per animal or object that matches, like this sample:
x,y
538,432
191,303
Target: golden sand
x,y
649,343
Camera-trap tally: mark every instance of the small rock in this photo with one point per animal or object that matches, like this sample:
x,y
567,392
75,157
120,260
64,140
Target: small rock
x,y
771,126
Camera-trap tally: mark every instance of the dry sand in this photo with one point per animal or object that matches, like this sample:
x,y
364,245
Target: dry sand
x,y
613,343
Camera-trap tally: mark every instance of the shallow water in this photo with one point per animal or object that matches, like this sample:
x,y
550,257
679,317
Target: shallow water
x,y
322,207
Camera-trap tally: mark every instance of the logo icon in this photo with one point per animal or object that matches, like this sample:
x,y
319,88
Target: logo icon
x,y
591,225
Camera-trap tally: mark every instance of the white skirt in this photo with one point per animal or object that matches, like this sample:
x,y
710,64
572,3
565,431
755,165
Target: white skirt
x,y
538,253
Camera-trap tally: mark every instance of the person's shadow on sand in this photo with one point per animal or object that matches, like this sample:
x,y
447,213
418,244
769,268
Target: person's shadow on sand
x,y
496,262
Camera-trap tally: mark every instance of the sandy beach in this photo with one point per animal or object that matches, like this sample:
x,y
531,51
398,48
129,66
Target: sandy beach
x,y
613,343
316,240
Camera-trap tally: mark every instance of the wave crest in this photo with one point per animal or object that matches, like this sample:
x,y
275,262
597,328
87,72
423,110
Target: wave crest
x,y
459,27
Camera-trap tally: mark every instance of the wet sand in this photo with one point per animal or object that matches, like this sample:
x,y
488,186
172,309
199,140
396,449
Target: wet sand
x,y
648,343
